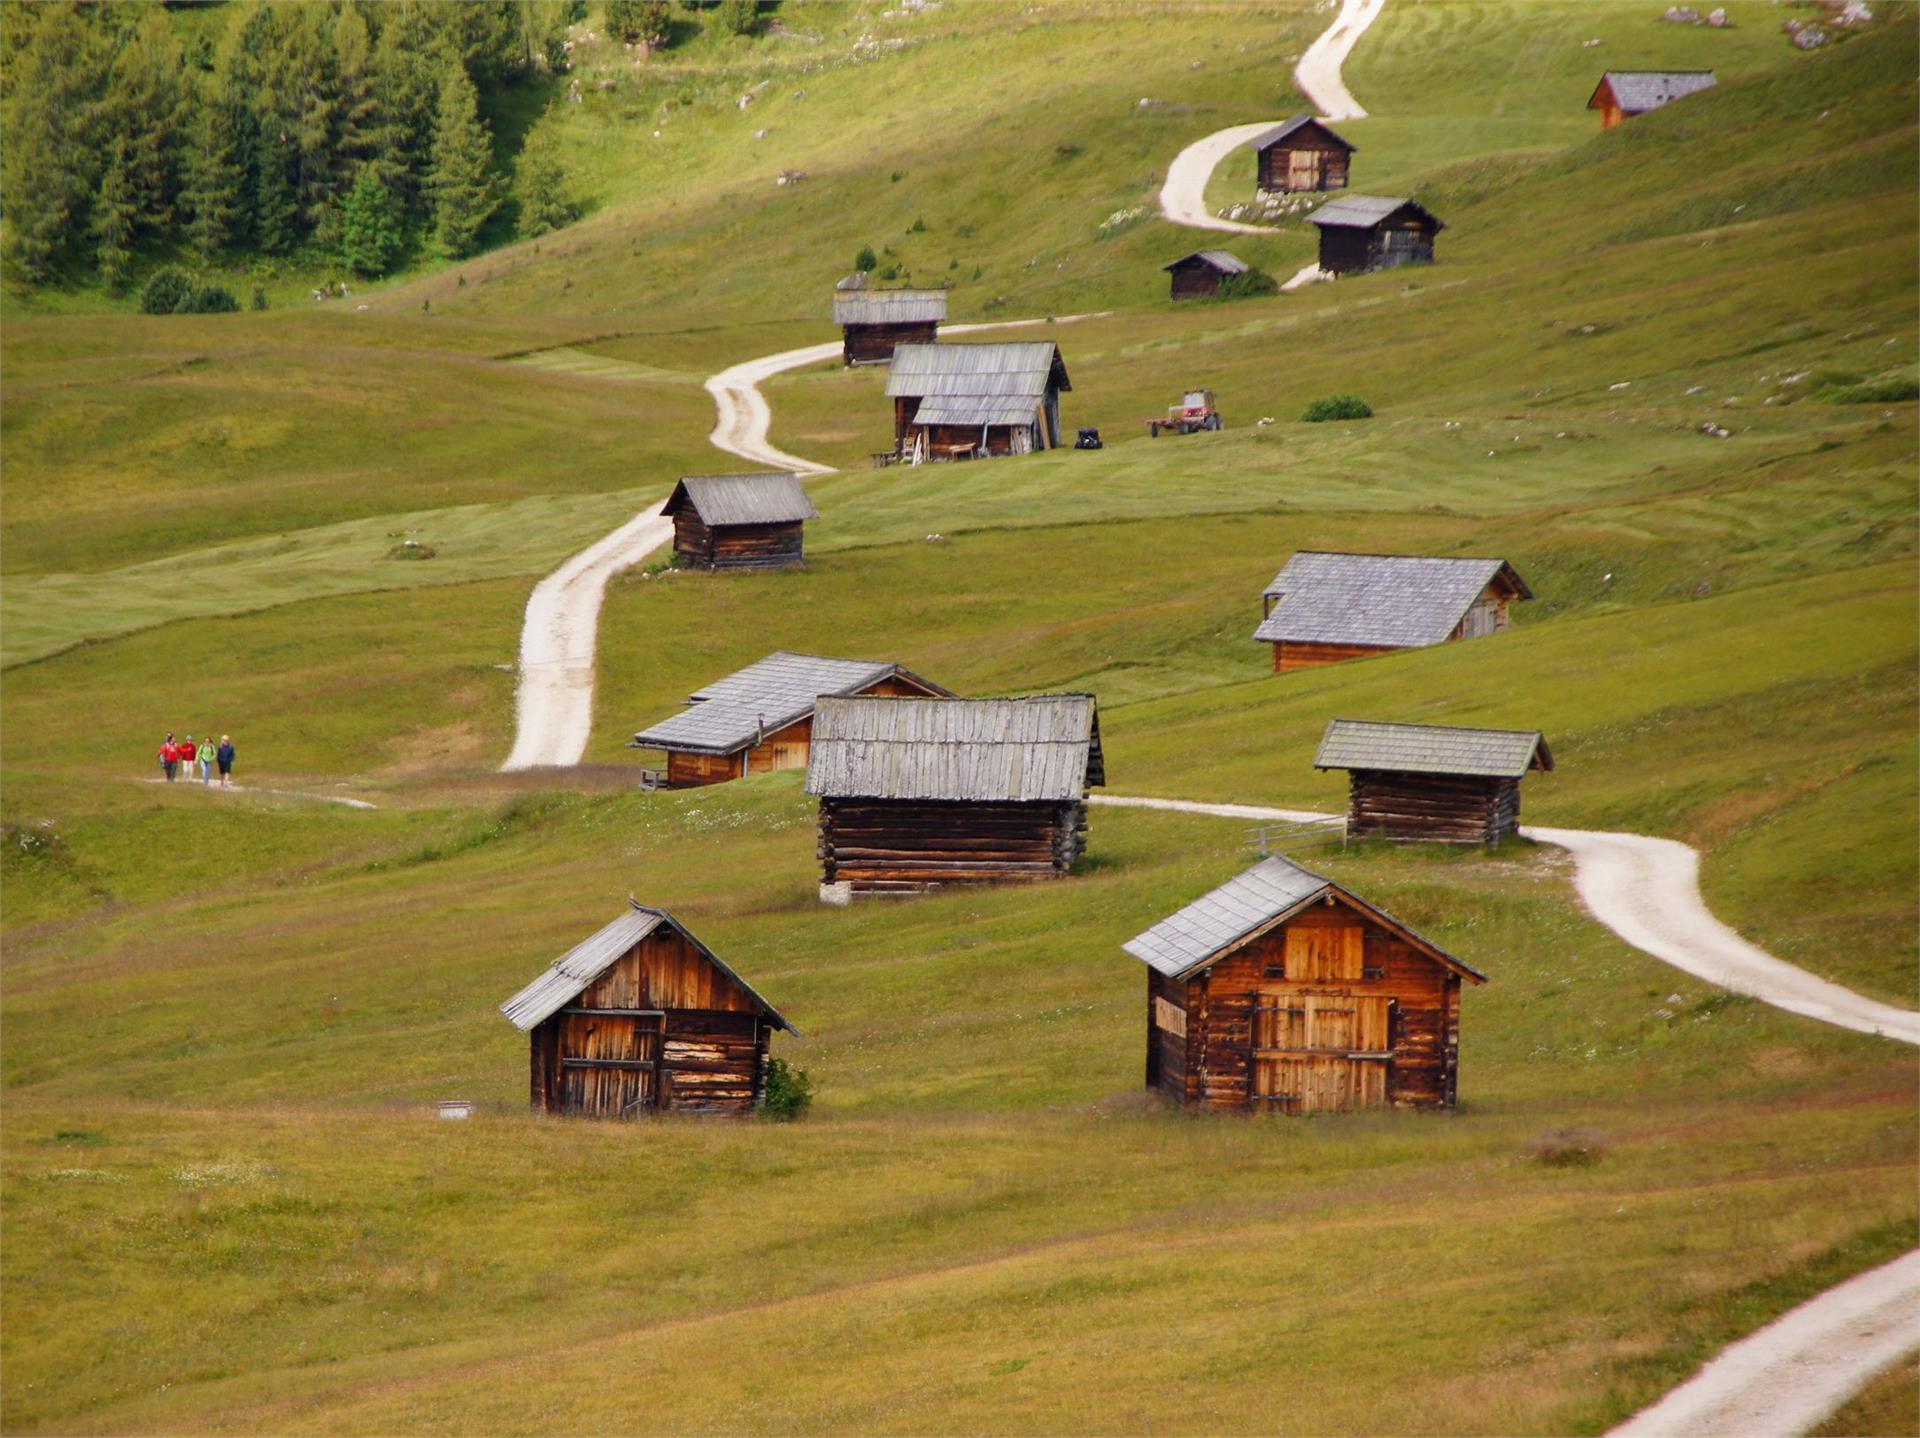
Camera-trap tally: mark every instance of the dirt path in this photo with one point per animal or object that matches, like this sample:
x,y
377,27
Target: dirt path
x,y
743,417
1183,198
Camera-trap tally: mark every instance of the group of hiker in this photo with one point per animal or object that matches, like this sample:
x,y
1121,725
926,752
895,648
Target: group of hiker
x,y
181,759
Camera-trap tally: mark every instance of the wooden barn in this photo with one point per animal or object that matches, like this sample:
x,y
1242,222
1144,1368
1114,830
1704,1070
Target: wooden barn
x,y
1198,276
1625,93
975,401
643,1018
917,794
1432,782
872,322
1324,607
1360,233
739,521
760,718
1304,154
1282,991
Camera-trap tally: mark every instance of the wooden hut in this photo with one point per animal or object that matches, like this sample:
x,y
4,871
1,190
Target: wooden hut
x,y
1624,93
872,322
1198,276
917,794
973,401
1283,991
1359,233
1301,155
739,521
1432,782
643,1017
760,718
1325,607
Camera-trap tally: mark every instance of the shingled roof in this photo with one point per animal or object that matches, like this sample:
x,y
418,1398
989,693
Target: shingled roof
x,y
1363,212
1266,139
1219,260
1432,749
1013,370
739,710
724,499
576,970
1040,748
1638,91
1273,890
1389,601
888,307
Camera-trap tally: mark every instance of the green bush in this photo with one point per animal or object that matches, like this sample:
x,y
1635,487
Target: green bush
x,y
259,298
1337,406
735,17
1247,285
164,290
646,20
866,259
789,1092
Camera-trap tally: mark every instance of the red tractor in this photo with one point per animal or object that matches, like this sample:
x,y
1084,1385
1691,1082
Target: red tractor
x,y
1194,413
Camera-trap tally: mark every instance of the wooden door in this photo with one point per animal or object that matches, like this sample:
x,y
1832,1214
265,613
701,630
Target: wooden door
x,y
609,1062
1304,169
1319,1053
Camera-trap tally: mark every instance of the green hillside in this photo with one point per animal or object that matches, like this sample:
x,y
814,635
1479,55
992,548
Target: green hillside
x,y
228,1205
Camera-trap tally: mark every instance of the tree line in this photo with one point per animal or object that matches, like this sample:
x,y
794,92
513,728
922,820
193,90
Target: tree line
x,y
332,125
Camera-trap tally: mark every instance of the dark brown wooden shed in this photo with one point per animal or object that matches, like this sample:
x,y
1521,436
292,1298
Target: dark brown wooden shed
x,y
1301,155
1285,992
1198,276
1359,233
974,401
642,1017
1432,783
739,521
918,794
872,322
1622,94
1326,607
760,718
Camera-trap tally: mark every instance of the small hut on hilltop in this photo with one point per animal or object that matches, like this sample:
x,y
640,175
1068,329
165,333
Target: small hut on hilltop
x,y
642,1017
1284,991
873,322
760,718
1326,607
917,794
739,521
973,401
1198,276
1303,154
1432,782
1359,233
1622,94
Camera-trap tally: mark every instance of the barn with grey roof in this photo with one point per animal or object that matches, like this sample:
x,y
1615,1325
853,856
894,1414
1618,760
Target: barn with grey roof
x,y
1198,276
1431,783
760,718
739,521
1622,94
918,794
1360,233
975,401
1304,154
874,322
1324,607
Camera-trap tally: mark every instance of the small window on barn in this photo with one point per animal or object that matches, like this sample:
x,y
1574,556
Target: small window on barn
x,y
1274,971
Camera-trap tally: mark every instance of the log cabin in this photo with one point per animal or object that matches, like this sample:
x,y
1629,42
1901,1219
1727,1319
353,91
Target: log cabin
x,y
1324,607
1302,155
1198,276
918,794
1622,94
644,1018
739,521
872,322
1432,783
1284,992
1362,233
760,718
974,401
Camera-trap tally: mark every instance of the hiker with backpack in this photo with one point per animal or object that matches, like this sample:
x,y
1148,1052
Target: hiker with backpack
x,y
169,756
206,760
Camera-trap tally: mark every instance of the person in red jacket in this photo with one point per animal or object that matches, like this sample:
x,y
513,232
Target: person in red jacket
x,y
189,755
169,757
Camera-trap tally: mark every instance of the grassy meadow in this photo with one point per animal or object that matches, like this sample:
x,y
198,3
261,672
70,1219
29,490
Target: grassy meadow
x,y
228,1204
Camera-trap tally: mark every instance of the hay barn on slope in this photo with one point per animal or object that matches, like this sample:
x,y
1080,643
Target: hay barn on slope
x,y
920,793
1622,94
872,322
1432,782
643,1018
1284,991
739,521
975,401
1359,233
1304,154
1198,276
1325,607
760,718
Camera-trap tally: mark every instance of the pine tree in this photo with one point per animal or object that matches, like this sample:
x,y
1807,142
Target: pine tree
x,y
357,120
735,17
369,229
408,57
275,213
463,190
299,91
148,105
543,202
215,194
49,158
116,216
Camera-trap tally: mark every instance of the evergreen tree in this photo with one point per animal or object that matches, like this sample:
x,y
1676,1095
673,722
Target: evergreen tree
x,y
408,58
49,156
543,202
116,215
369,229
298,95
463,190
148,105
275,212
735,17
357,120
215,194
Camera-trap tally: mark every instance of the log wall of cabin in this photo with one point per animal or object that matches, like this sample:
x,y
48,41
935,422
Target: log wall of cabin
x,y
1346,249
1419,997
1195,280
1278,172
1432,808
787,748
1291,654
757,546
904,845
873,343
691,771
